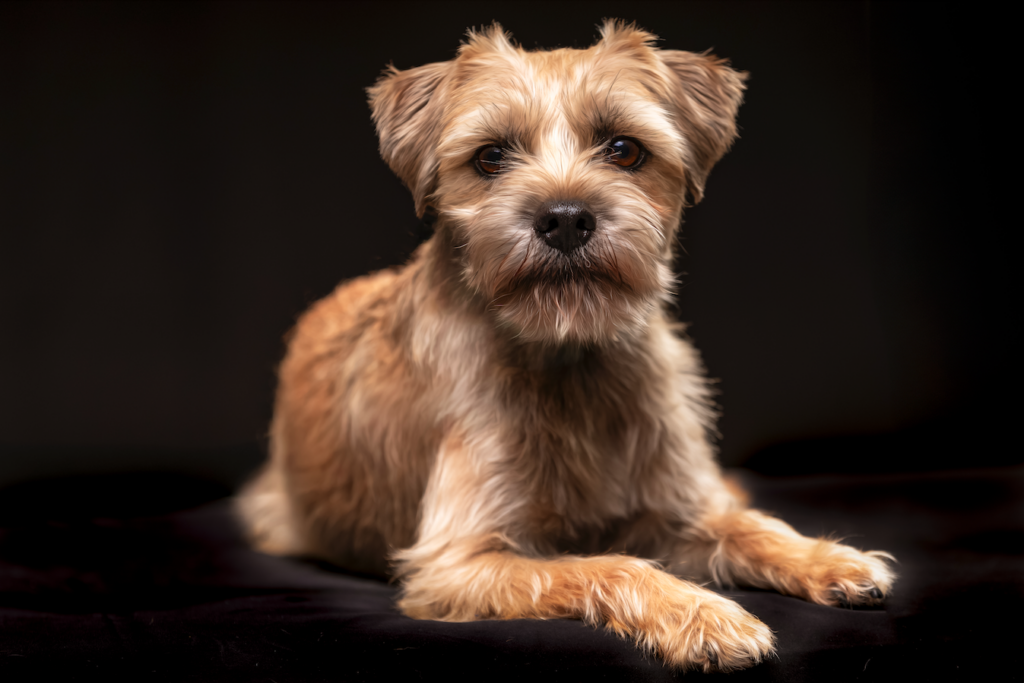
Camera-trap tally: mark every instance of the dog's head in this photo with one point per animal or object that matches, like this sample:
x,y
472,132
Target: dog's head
x,y
559,178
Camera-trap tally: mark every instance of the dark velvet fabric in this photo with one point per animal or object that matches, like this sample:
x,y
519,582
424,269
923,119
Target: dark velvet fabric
x,y
145,577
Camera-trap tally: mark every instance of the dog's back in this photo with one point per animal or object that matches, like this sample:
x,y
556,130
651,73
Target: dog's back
x,y
330,488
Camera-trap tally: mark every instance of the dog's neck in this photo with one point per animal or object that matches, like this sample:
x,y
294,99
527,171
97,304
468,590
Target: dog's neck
x,y
549,359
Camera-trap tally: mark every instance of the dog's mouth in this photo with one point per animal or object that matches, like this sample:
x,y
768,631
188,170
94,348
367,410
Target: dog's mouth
x,y
587,264
572,297
567,277
600,288
564,271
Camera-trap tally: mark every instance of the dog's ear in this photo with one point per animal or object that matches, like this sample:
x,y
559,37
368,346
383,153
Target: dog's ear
x,y
702,91
706,94
406,108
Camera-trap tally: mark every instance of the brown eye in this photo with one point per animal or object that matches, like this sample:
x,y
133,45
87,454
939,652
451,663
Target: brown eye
x,y
624,152
490,160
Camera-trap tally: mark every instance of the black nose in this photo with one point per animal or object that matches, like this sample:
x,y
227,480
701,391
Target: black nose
x,y
565,225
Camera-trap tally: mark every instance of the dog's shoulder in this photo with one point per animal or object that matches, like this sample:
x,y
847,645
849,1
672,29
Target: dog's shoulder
x,y
353,307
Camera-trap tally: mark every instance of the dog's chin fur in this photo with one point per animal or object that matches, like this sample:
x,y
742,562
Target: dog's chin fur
x,y
507,398
581,311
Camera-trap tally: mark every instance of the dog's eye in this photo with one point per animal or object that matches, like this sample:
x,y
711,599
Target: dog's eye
x,y
490,160
624,152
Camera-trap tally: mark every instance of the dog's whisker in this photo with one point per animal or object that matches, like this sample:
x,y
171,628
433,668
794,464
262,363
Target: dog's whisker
x,y
526,257
501,265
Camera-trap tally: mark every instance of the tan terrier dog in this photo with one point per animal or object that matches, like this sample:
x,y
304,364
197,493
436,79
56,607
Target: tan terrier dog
x,y
512,420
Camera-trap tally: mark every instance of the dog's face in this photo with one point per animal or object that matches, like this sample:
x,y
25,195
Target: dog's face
x,y
559,178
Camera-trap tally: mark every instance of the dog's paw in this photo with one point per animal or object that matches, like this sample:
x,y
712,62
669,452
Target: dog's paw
x,y
714,634
842,576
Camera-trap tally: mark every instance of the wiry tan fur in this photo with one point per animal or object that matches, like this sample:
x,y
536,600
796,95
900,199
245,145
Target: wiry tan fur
x,y
497,404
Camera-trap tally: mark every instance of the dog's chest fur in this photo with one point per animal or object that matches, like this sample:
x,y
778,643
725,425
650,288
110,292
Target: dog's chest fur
x,y
578,442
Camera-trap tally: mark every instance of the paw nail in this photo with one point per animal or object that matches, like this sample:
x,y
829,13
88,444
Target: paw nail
x,y
841,599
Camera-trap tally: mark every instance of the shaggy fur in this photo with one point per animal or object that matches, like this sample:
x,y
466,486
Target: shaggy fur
x,y
509,427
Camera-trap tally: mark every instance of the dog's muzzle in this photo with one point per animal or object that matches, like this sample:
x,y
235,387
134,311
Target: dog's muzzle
x,y
564,225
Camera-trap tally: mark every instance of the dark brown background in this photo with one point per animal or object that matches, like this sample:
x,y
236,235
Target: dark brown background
x,y
178,181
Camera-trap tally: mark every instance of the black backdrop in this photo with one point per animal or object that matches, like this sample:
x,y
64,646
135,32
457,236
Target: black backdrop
x,y
178,181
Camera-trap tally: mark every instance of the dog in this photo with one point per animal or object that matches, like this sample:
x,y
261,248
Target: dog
x,y
511,425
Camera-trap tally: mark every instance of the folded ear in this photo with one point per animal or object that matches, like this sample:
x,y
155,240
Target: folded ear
x,y
708,95
406,108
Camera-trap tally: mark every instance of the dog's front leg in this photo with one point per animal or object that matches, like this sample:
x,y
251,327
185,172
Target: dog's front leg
x,y
466,565
748,547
